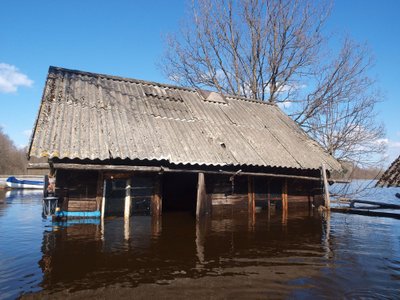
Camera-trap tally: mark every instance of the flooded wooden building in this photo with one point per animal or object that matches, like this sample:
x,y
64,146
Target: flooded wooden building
x,y
120,146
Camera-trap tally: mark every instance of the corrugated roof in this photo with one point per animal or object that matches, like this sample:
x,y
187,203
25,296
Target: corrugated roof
x,y
391,177
94,116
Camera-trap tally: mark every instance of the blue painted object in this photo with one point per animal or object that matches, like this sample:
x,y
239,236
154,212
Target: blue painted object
x,y
68,223
78,214
15,180
15,183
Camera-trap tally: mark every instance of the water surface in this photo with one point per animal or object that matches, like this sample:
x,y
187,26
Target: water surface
x,y
303,256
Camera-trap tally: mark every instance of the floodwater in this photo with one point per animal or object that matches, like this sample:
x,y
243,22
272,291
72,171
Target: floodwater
x,y
303,256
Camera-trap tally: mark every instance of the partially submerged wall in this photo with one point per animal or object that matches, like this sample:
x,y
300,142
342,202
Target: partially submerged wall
x,y
142,193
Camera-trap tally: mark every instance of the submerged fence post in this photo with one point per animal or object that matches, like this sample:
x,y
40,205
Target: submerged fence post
x,y
127,211
103,200
251,195
156,199
284,200
326,187
201,204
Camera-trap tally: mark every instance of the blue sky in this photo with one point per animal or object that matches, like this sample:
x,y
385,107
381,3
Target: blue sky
x,y
125,38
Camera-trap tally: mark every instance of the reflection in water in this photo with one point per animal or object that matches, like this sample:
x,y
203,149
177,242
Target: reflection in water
x,y
86,256
299,255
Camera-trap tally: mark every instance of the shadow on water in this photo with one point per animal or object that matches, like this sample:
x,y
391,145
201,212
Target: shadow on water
x,y
263,256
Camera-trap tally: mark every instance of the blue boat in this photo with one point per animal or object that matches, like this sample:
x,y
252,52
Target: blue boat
x,y
15,183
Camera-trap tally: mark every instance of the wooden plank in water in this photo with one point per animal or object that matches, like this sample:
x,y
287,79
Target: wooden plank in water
x,y
379,204
366,212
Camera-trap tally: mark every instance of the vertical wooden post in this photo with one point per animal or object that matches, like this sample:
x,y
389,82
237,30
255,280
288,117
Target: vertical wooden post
x,y
200,232
156,225
127,229
103,200
326,237
251,195
251,209
269,196
285,199
201,205
326,187
127,211
156,203
99,190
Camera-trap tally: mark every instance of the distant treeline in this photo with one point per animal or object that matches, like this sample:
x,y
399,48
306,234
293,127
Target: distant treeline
x,y
370,173
12,159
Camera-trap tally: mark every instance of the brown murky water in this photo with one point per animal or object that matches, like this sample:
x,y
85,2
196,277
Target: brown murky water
x,y
233,256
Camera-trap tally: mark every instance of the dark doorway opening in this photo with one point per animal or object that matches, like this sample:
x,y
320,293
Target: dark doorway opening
x,y
115,197
179,192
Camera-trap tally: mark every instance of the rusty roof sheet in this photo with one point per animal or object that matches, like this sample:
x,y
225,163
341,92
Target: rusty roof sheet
x,y
94,116
391,177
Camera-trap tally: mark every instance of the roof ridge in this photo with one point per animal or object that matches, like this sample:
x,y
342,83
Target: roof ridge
x,y
53,69
120,78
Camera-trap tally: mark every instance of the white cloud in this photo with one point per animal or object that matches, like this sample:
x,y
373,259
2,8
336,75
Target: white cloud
x,y
11,78
284,104
381,141
284,88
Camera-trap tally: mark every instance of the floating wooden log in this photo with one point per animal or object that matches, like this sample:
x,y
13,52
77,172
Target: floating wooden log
x,y
366,212
374,203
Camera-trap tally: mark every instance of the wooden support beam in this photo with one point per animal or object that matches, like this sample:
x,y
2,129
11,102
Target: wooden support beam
x,y
127,168
99,190
285,199
103,201
156,200
269,196
251,203
326,187
251,195
201,206
127,229
67,166
38,166
127,210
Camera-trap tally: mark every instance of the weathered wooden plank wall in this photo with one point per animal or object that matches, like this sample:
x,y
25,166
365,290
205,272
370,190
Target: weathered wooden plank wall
x,y
83,191
78,190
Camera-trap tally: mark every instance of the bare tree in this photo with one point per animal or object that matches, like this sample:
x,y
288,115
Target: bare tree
x,y
273,50
12,159
340,111
256,49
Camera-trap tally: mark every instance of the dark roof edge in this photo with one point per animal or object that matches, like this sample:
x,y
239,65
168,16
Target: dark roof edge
x,y
28,154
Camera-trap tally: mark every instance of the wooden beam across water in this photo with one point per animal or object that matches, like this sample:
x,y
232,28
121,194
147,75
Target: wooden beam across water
x,y
374,203
371,213
161,169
